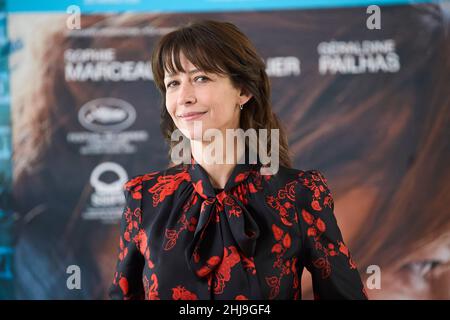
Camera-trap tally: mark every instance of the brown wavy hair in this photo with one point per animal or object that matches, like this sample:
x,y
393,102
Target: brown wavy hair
x,y
221,48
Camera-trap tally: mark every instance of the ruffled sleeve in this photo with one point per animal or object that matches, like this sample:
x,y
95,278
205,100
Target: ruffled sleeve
x,y
127,283
324,253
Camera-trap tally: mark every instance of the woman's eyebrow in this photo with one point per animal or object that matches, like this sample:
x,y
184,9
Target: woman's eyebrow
x,y
170,75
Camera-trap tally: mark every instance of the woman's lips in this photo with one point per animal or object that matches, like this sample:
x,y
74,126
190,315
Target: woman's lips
x,y
189,116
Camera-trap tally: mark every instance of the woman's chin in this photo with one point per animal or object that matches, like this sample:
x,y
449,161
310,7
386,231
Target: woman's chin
x,y
195,133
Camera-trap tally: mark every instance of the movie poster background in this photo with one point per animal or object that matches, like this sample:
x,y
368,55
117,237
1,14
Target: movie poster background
x,y
368,108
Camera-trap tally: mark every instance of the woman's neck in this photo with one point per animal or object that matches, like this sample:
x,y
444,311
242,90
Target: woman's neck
x,y
219,169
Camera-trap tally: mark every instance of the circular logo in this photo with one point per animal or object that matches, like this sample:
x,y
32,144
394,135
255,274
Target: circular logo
x,y
103,187
106,115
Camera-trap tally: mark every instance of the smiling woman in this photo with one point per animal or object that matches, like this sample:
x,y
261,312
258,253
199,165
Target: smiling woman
x,y
199,95
213,68
226,231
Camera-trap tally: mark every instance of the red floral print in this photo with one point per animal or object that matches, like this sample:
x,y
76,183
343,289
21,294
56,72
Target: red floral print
x,y
151,290
198,186
123,284
135,184
181,239
223,272
322,203
172,235
283,203
324,265
180,293
277,232
210,265
307,217
317,183
274,284
166,186
249,264
283,243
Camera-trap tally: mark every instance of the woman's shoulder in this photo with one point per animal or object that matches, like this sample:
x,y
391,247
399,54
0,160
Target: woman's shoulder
x,y
312,190
154,182
309,185
154,174
303,176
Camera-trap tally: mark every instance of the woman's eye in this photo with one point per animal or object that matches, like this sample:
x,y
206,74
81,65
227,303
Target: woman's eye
x,y
422,268
171,84
202,78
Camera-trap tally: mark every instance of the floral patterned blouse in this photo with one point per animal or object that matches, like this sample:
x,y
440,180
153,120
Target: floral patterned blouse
x,y
182,239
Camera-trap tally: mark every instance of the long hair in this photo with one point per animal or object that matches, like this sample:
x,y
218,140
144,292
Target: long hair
x,y
221,48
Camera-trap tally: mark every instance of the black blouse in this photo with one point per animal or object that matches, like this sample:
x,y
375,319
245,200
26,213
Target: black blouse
x,y
182,239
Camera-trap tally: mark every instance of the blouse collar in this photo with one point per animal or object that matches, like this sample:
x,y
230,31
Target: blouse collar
x,y
202,183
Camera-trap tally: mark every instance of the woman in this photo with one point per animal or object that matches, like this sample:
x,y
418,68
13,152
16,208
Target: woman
x,y
215,230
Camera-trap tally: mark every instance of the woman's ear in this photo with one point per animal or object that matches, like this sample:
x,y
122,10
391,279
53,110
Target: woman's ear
x,y
244,96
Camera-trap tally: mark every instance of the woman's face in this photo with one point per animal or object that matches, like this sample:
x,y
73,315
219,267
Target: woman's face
x,y
206,98
423,273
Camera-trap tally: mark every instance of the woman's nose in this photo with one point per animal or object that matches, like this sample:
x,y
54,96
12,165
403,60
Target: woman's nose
x,y
186,94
